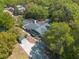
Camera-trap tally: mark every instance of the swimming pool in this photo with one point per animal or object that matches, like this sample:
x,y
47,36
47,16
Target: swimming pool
x,y
37,51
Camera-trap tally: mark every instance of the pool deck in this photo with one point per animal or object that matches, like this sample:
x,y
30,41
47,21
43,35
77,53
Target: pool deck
x,y
27,44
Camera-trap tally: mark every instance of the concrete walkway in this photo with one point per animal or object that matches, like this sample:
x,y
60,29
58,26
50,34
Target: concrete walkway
x,y
27,44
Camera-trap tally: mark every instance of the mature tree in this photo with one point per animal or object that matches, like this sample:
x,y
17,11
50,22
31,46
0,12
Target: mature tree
x,y
75,33
76,1
6,20
14,2
36,11
60,40
64,10
7,41
44,3
73,8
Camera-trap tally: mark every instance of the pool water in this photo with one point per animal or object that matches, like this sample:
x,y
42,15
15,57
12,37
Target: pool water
x,y
37,51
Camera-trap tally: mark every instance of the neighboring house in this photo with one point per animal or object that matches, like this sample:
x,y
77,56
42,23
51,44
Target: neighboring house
x,y
10,8
16,9
35,28
19,9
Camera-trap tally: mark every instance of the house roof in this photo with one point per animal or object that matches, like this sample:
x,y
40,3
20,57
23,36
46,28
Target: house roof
x,y
31,26
39,27
20,7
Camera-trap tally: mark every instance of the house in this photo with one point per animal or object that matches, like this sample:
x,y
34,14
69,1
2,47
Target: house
x,y
34,27
16,9
19,9
10,8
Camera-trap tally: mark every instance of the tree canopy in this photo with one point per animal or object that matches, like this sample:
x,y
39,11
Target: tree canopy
x,y
36,11
7,40
58,35
64,10
7,20
63,34
60,40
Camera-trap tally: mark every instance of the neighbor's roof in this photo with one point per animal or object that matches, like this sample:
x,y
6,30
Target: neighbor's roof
x,y
20,7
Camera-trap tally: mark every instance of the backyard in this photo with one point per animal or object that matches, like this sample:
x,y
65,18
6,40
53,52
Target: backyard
x,y
18,53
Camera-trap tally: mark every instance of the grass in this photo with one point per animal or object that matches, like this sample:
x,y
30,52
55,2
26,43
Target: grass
x,y
18,53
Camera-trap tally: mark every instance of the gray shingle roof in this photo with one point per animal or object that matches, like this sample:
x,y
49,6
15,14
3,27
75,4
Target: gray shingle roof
x,y
39,27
